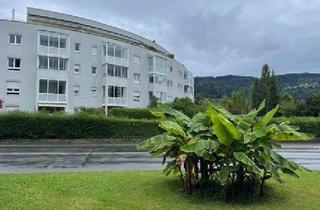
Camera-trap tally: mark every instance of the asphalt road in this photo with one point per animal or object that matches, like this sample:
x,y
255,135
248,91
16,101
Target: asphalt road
x,y
93,157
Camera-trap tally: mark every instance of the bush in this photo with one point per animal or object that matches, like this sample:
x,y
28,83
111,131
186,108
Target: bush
x,y
93,111
20,125
218,151
306,124
131,113
185,105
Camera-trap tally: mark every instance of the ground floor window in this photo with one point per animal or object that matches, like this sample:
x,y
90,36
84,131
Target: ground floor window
x,y
117,92
51,109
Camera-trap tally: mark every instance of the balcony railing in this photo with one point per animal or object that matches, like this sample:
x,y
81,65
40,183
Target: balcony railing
x,y
50,97
113,101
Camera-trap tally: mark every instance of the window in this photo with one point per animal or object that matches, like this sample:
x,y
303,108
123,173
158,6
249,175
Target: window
x,y
43,62
94,91
136,96
157,79
104,50
150,79
136,59
136,78
44,40
171,69
150,63
63,43
169,83
54,63
54,41
103,91
14,64
43,86
13,87
52,86
76,68
76,90
77,47
116,51
94,50
15,39
116,91
117,71
94,70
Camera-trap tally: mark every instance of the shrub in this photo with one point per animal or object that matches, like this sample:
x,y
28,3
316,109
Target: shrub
x,y
306,124
19,125
220,150
131,113
185,105
93,111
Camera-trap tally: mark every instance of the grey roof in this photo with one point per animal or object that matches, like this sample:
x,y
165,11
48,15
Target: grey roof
x,y
91,23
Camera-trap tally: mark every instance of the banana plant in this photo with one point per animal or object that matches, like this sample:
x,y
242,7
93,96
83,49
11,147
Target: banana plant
x,y
238,152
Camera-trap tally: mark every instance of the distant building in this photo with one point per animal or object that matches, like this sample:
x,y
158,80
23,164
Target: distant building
x,y
56,61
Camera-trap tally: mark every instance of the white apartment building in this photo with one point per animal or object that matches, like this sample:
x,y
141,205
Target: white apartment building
x,y
56,61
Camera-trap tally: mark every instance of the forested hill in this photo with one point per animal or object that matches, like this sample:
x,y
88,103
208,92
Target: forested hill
x,y
299,85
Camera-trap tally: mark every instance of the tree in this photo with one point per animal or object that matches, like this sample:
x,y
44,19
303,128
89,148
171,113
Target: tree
x,y
185,105
287,105
313,105
153,101
265,88
238,103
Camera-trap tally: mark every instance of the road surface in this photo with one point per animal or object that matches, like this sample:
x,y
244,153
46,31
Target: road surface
x,y
93,157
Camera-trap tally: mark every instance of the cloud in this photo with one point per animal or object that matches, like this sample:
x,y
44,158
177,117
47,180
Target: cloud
x,y
211,37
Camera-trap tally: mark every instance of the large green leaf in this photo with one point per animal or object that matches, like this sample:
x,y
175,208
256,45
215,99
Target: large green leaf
x,y
246,121
259,133
197,146
155,140
164,111
223,128
224,174
243,158
172,128
266,118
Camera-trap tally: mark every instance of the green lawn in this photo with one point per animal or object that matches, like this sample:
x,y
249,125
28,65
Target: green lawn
x,y
139,190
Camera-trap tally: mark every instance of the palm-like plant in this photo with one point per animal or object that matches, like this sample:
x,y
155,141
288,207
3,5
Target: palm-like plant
x,y
235,151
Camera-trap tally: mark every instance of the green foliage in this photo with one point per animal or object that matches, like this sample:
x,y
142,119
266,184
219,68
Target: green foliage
x,y
306,124
234,152
238,103
153,101
1,103
265,89
131,113
92,111
313,105
19,125
185,105
287,105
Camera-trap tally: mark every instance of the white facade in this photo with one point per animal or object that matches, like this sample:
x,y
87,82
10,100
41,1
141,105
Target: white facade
x,y
64,62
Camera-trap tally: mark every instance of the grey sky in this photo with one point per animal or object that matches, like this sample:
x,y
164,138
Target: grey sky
x,y
210,37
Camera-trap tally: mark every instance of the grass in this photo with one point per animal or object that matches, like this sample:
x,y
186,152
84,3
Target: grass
x,y
140,190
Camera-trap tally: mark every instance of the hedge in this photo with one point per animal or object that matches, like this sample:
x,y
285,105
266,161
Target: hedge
x,y
17,125
306,124
131,113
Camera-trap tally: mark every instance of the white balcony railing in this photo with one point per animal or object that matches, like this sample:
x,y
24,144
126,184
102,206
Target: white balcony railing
x,y
50,97
113,101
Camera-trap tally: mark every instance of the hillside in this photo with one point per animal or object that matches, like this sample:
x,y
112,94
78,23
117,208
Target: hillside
x,y
299,85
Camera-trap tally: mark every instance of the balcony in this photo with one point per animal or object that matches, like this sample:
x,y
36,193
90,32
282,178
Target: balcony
x,y
117,101
52,98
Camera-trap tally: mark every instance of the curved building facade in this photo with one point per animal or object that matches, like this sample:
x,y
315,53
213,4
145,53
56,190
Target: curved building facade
x,y
56,61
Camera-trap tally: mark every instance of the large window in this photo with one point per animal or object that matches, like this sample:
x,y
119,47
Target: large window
x,y
14,64
117,92
52,86
53,39
15,39
13,87
53,63
117,71
136,78
116,51
77,47
157,79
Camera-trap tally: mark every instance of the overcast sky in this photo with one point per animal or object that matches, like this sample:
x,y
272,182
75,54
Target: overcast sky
x,y
210,37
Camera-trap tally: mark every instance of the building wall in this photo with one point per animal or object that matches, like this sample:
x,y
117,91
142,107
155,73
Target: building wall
x,y
30,74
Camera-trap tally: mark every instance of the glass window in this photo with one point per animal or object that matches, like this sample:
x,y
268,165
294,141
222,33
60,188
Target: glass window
x,y
124,72
76,68
150,79
14,64
62,87
12,39
136,77
110,91
18,39
104,50
10,62
15,39
53,63
43,62
63,64
53,86
118,71
44,40
94,70
110,70
43,86
54,41
110,49
77,47
63,42
117,51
